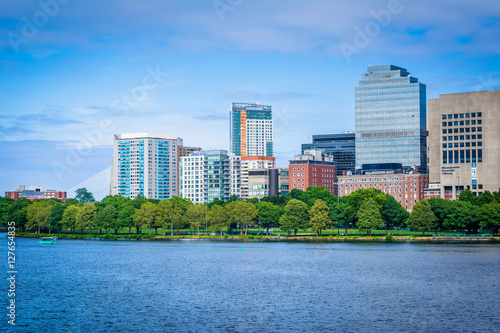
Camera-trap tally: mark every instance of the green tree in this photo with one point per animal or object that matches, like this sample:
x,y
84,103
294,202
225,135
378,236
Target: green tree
x,y
421,217
197,216
462,215
393,213
296,216
490,216
217,218
125,214
170,215
320,216
68,220
369,216
18,212
269,214
466,196
55,216
314,193
241,212
84,196
441,209
106,218
5,207
145,216
85,217
37,214
484,198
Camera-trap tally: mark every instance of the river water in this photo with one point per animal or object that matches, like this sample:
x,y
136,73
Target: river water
x,y
227,286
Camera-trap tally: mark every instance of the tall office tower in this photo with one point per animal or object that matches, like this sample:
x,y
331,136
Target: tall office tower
x,y
205,176
464,143
251,163
251,130
390,119
146,164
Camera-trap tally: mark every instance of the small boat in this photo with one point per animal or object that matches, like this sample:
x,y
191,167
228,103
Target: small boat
x,y
48,240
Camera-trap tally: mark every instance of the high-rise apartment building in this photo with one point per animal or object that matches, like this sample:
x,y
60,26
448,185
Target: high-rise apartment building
x,y
207,175
464,143
251,130
391,119
146,164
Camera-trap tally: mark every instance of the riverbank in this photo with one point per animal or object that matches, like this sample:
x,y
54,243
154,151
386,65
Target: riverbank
x,y
427,239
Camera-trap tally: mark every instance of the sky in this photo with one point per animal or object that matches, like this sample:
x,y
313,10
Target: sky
x,y
73,73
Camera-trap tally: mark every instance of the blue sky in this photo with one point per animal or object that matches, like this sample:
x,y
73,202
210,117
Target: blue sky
x,y
73,73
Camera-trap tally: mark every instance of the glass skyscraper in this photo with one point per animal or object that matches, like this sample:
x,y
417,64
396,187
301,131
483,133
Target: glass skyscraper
x,y
251,130
391,119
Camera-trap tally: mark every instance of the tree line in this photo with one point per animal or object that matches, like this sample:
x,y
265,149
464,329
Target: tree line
x,y
314,209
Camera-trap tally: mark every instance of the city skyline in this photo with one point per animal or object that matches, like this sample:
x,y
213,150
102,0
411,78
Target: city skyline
x,y
176,67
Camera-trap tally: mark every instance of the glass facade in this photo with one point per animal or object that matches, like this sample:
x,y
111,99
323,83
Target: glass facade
x,y
341,146
391,118
251,130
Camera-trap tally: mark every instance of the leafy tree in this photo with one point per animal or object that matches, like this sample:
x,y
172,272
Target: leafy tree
x,y
441,209
170,215
138,201
269,214
490,216
393,213
55,216
18,212
466,196
462,215
5,207
68,220
337,215
84,196
320,216
216,202
484,198
241,212
217,218
421,217
295,194
234,197
124,219
145,216
369,216
358,197
106,218
37,214
85,217
296,216
314,193
197,216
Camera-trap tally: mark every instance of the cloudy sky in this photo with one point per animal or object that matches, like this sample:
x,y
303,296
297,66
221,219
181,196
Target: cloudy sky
x,y
73,73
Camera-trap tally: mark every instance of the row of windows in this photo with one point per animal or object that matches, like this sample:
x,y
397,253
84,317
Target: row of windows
x,y
462,144
462,156
462,115
463,130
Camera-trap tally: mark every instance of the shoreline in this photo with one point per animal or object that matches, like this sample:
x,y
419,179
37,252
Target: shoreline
x,y
246,238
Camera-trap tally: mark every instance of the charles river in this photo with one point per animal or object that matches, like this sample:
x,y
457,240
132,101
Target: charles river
x,y
228,286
